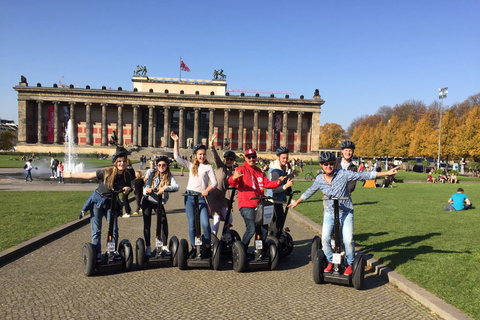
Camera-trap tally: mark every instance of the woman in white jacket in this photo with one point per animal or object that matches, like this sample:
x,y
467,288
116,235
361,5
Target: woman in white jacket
x,y
160,183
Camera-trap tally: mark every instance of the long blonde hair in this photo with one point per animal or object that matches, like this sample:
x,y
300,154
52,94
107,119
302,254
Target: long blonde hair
x,y
166,176
195,163
111,173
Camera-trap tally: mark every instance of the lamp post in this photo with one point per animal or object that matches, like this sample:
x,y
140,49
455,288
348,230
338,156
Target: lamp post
x,y
442,93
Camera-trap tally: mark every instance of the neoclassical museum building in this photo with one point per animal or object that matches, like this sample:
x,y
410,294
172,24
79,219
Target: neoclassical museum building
x,y
143,118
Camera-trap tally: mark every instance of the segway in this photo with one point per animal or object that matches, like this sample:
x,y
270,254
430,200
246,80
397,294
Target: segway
x,y
283,239
121,256
199,259
339,263
227,239
265,254
157,256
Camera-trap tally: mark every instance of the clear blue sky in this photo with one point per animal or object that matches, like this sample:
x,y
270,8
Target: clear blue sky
x,y
361,55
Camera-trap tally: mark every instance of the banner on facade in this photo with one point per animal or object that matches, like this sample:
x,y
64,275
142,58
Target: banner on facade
x,y
50,123
277,130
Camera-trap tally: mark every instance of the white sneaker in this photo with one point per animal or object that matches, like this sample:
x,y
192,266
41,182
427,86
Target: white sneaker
x,y
126,215
51,177
166,251
148,252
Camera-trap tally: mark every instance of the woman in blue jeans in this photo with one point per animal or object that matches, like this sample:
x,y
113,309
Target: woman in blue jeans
x,y
200,173
110,179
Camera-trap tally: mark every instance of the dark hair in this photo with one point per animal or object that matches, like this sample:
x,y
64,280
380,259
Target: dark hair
x,y
460,190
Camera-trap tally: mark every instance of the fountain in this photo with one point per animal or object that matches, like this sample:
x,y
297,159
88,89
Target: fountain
x,y
70,154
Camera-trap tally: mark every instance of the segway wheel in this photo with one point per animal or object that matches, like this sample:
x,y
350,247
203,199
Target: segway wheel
x,y
358,274
318,267
89,259
273,254
216,254
173,246
288,246
182,255
316,244
140,253
125,250
239,256
235,236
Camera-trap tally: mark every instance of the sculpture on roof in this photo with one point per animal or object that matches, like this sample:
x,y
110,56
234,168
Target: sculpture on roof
x,y
218,75
141,70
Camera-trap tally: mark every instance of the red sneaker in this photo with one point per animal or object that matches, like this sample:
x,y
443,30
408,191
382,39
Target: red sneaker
x,y
348,271
329,267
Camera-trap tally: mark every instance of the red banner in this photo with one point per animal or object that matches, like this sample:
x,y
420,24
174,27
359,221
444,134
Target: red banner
x,y
51,121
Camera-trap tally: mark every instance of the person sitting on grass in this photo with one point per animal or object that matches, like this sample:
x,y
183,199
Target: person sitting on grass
x,y
334,182
453,178
430,177
458,201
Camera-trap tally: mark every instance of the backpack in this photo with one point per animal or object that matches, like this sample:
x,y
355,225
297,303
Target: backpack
x,y
25,166
55,162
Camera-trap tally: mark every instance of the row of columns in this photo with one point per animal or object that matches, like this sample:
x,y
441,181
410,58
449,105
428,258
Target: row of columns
x,y
166,132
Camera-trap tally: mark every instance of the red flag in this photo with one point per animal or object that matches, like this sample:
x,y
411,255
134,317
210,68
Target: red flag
x,y
183,66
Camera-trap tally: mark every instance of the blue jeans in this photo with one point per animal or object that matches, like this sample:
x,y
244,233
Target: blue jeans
x,y
346,225
204,219
29,175
101,208
248,215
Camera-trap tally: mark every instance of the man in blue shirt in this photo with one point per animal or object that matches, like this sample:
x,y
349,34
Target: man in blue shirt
x,y
458,201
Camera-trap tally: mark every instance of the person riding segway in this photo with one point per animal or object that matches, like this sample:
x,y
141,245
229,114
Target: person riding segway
x,y
334,184
156,194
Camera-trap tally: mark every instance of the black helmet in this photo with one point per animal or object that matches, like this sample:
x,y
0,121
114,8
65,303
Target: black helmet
x,y
282,150
198,146
164,159
230,154
347,144
327,157
118,154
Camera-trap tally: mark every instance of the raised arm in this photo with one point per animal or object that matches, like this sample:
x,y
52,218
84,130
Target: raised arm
x,y
216,157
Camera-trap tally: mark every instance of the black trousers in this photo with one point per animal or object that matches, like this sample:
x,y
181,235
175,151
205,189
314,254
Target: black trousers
x,y
162,225
278,220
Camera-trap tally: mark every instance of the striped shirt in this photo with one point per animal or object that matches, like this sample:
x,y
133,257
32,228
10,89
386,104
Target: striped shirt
x,y
337,188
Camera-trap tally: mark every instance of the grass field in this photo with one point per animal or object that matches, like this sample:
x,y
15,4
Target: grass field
x,y
7,161
406,228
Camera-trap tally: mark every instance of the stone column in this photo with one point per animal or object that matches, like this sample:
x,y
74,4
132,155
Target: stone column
x,y
73,123
270,130
166,126
315,131
22,121
181,127
285,128
195,125
211,123
135,125
150,126
225,125
39,122
240,129
255,130
88,123
120,124
104,124
298,145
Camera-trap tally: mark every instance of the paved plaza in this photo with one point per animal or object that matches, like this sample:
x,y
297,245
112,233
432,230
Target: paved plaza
x,y
48,283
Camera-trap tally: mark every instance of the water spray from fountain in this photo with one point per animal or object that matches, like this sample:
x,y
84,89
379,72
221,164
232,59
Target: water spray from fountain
x,y
70,153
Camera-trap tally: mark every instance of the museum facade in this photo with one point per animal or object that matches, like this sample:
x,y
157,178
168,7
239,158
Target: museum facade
x,y
144,117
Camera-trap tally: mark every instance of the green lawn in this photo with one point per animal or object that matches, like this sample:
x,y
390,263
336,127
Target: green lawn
x,y
15,161
406,228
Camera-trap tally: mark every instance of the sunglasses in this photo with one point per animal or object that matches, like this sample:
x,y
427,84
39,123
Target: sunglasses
x,y
161,165
329,164
230,159
251,157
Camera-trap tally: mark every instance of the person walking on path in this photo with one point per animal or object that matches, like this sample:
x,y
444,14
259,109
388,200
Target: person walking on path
x,y
110,179
60,168
126,203
250,182
334,182
138,184
458,201
28,167
199,175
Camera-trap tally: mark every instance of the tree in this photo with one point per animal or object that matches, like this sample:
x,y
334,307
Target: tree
x,y
424,142
331,135
7,140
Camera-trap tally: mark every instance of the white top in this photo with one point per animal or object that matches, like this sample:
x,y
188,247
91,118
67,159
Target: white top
x,y
205,172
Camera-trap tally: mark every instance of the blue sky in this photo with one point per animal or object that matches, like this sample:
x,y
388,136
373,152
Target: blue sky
x,y
361,55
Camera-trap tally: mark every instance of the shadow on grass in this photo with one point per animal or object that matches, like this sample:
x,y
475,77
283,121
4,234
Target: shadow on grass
x,y
400,250
364,203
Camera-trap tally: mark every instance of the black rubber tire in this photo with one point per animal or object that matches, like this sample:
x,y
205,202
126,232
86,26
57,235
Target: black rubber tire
x,y
316,244
89,259
273,254
286,245
126,251
235,236
358,273
173,245
140,253
318,267
182,255
216,254
239,256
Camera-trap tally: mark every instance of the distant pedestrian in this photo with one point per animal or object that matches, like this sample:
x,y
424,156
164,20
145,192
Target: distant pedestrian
x,y
138,184
28,166
60,168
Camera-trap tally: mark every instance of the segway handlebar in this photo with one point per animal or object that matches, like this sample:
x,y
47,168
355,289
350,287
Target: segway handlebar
x,y
334,198
192,193
262,198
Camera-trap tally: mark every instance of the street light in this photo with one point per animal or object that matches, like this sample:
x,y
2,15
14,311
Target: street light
x,y
442,93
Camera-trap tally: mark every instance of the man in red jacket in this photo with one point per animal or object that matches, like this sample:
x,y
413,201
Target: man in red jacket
x,y
250,182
